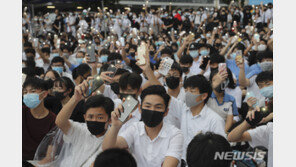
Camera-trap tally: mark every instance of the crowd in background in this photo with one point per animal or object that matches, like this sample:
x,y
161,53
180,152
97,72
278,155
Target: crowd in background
x,y
217,95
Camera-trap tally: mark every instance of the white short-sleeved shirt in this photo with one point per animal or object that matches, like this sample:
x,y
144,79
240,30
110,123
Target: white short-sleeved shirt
x,y
83,145
263,136
237,94
255,89
181,95
151,153
206,121
195,70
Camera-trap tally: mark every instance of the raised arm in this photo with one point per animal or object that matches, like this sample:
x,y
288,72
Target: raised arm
x,y
62,119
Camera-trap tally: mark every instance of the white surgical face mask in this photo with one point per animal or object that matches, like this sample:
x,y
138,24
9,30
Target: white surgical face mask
x,y
266,66
261,47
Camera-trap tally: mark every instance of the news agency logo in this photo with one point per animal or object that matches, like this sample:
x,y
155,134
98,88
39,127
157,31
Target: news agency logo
x,y
239,155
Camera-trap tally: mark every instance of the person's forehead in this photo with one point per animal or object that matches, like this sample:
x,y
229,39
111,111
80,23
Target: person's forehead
x,y
174,71
192,89
29,87
153,100
96,111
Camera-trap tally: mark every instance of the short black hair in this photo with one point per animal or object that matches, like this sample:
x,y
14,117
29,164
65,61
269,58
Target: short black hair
x,y
28,44
30,50
105,52
36,83
67,82
99,101
115,157
186,59
267,54
133,47
114,56
241,47
176,66
200,82
58,59
134,80
167,50
156,90
80,70
46,50
216,58
264,76
203,147
120,71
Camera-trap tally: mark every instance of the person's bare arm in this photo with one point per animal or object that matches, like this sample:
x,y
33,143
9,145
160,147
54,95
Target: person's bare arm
x,y
62,119
170,162
240,133
243,81
229,122
230,50
182,48
223,51
111,139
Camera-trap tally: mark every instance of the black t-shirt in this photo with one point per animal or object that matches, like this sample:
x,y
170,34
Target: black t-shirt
x,y
222,18
33,131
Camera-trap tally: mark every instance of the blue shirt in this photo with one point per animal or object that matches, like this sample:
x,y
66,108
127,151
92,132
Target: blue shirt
x,y
227,104
235,69
255,69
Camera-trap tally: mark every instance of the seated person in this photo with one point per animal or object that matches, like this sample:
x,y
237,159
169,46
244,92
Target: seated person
x,y
152,142
203,147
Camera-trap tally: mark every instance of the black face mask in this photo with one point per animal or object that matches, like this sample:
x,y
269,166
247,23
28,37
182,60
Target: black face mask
x,y
123,95
185,69
59,95
95,128
115,87
126,50
151,118
151,53
217,45
172,82
175,50
132,54
213,69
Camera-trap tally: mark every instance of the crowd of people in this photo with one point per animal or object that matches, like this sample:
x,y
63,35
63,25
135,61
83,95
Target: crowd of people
x,y
217,95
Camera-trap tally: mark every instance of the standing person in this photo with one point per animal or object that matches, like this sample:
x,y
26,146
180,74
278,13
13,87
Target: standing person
x,y
85,138
152,142
37,121
58,24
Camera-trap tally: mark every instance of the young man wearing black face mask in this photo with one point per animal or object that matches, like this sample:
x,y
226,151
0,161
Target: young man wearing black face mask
x,y
186,63
172,81
89,135
153,142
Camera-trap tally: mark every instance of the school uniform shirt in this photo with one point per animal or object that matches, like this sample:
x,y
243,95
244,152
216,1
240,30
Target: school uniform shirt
x,y
84,146
263,136
152,153
186,76
255,89
237,94
196,70
206,121
227,107
181,95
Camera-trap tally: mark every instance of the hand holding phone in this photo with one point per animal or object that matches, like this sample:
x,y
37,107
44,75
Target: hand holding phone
x,y
165,66
91,53
222,67
128,106
94,84
141,53
204,64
